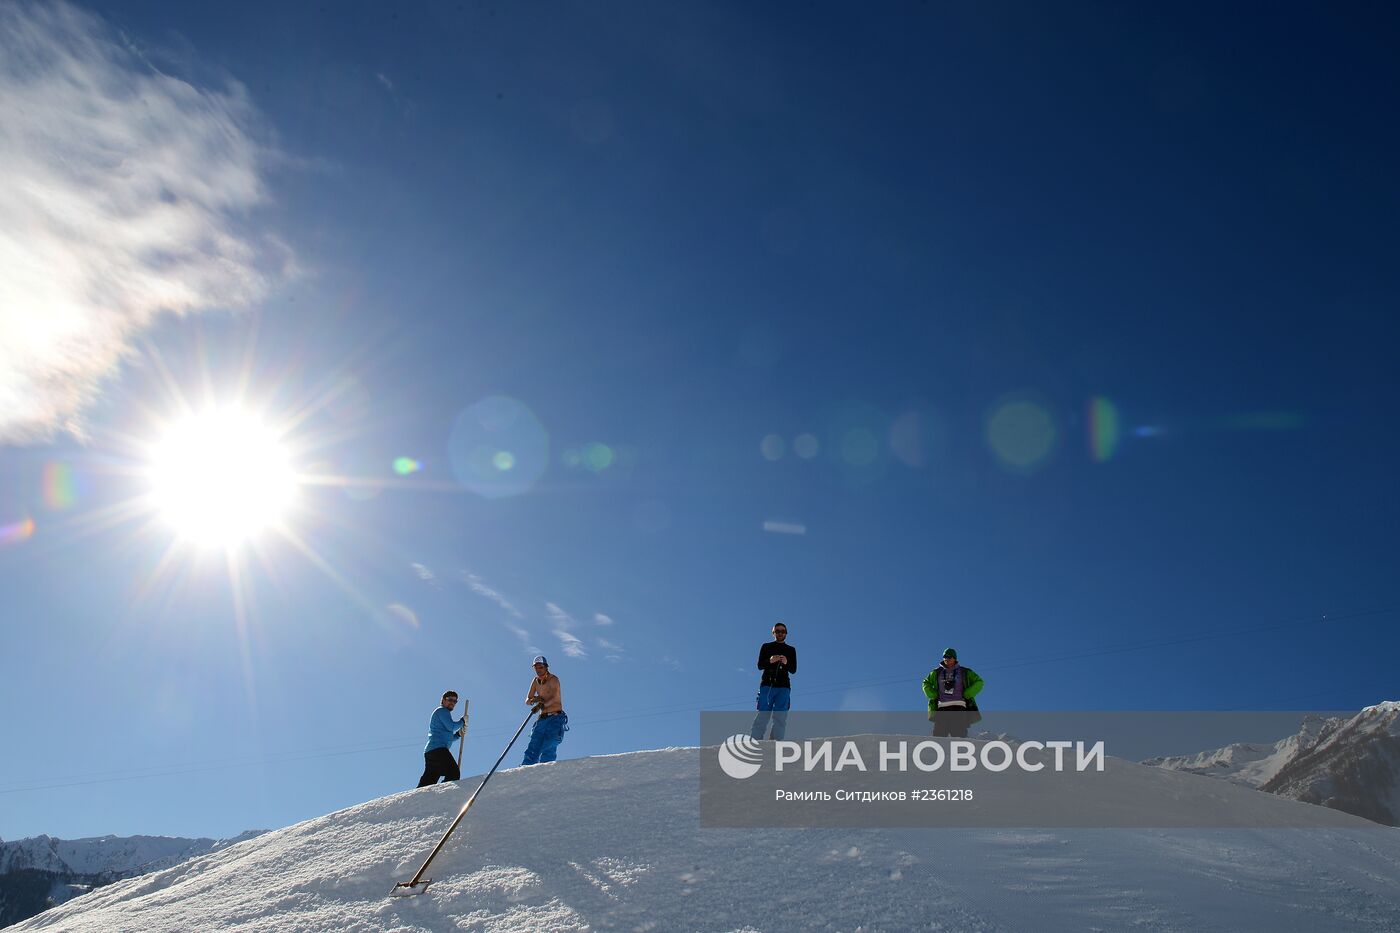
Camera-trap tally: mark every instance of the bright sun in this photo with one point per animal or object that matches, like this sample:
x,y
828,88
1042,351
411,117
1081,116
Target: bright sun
x,y
221,477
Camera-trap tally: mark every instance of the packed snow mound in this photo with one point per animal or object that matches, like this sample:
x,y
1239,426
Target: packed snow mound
x,y
42,871
614,843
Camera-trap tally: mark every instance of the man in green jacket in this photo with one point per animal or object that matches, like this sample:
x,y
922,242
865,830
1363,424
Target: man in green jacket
x,y
950,689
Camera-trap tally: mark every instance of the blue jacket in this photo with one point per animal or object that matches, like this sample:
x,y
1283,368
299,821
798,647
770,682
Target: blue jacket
x,y
442,729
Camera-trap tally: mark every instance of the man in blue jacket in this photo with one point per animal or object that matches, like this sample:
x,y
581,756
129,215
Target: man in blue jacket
x,y
437,755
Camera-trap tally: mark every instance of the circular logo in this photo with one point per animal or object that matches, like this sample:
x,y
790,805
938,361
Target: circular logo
x,y
740,756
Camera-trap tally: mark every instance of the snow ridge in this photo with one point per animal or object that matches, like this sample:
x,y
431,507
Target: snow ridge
x,y
614,843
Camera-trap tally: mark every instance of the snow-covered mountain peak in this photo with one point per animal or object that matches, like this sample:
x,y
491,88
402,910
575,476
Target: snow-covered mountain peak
x,y
1346,763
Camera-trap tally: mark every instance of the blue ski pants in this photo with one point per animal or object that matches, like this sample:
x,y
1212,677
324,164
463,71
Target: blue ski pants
x,y
773,704
545,739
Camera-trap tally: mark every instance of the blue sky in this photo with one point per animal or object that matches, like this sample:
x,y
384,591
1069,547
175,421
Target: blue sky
x,y
1064,336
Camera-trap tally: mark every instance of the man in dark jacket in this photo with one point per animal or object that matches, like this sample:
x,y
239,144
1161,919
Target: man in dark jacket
x,y
950,689
778,661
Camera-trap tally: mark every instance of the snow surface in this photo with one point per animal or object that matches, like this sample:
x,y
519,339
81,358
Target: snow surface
x,y
614,843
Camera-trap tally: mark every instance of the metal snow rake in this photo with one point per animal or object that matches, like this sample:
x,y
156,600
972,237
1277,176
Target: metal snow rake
x,y
416,884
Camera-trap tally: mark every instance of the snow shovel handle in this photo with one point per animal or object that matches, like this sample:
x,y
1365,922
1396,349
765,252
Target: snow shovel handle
x,y
466,706
412,883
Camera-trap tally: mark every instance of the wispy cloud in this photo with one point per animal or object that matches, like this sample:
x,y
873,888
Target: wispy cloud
x,y
424,573
384,80
602,619
123,195
480,588
569,643
614,651
784,528
525,640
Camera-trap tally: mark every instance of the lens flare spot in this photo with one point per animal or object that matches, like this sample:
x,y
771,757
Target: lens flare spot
x,y
772,447
503,460
572,458
495,425
860,447
17,532
784,528
806,446
407,465
1104,428
855,442
1021,434
917,436
403,614
60,486
597,457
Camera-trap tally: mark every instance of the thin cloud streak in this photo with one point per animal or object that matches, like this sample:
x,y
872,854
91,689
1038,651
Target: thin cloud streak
x,y
614,651
525,640
480,588
123,193
569,643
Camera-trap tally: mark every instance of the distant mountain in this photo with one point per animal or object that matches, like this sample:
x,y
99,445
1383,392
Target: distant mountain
x,y
1354,768
1249,763
1348,764
42,871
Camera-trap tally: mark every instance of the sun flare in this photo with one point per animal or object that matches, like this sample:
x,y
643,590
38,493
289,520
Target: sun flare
x,y
221,477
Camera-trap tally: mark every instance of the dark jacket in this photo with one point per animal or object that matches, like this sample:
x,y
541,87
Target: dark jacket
x,y
776,675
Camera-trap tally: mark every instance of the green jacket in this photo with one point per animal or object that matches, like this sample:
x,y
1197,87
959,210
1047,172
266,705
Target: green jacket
x,y
972,685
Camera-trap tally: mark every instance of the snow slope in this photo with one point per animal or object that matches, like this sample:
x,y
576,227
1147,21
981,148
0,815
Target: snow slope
x,y
613,843
38,872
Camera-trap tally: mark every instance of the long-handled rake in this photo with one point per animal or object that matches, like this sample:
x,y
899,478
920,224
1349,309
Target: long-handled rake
x,y
416,884
461,747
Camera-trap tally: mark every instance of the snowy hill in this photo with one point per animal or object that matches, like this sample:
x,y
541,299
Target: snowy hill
x,y
1352,765
615,843
42,870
